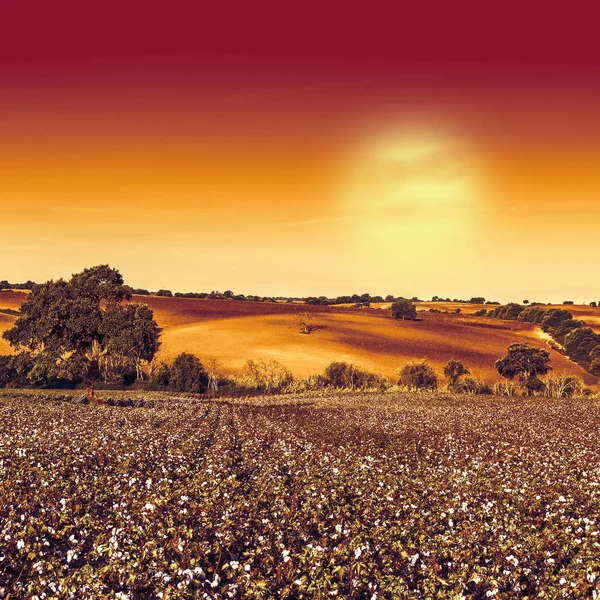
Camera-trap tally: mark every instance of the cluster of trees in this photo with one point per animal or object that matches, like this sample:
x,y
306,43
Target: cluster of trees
x,y
81,330
580,343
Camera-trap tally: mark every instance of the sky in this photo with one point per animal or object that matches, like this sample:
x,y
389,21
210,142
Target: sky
x,y
297,149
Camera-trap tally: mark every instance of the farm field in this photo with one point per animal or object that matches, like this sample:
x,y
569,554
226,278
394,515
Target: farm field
x,y
234,332
348,495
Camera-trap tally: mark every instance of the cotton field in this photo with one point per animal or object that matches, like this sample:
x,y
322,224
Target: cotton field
x,y
349,496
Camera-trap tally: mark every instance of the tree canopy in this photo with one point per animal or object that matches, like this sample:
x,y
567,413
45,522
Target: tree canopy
x,y
404,309
524,362
72,327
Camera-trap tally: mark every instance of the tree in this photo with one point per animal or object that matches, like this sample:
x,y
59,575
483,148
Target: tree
x,y
167,293
132,336
454,370
304,321
69,327
524,362
477,300
187,374
404,309
418,375
580,343
4,285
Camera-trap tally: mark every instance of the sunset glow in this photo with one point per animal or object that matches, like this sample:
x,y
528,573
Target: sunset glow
x,y
381,157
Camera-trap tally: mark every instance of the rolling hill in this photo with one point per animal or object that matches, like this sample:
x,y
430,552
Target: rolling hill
x,y
234,331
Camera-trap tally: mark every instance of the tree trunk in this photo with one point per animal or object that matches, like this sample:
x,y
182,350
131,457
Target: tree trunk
x,y
91,376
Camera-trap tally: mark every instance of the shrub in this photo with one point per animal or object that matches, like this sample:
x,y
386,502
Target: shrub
x,y
404,309
187,374
563,386
418,375
268,376
505,388
454,370
469,385
348,376
480,313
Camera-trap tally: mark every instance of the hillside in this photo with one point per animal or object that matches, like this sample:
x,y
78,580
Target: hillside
x,y
233,332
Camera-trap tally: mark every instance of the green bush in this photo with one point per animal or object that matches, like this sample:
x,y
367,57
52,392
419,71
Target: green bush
x,y
418,375
187,374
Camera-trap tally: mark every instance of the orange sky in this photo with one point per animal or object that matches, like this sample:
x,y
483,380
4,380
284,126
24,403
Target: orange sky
x,y
404,157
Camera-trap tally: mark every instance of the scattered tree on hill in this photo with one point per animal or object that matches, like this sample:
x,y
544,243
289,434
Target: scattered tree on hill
x,y
525,301
418,375
304,321
593,304
404,309
527,364
69,327
477,300
167,293
454,370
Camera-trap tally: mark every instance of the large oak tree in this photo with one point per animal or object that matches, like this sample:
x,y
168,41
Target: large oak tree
x,y
70,327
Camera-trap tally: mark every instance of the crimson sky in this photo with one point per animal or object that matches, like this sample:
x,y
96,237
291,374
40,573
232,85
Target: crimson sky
x,y
303,148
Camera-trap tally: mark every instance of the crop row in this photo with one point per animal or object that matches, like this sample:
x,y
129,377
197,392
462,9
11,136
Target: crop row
x,y
354,496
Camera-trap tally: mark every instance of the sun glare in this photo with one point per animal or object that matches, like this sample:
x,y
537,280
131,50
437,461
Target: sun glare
x,y
413,189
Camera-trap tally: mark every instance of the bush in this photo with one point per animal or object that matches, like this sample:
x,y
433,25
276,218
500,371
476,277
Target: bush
x,y
469,385
480,313
563,386
348,376
187,374
454,370
404,309
267,377
505,388
527,363
418,375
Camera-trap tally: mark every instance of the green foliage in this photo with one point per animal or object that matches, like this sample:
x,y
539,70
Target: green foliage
x,y
469,385
418,375
344,375
404,309
508,312
454,370
580,343
526,363
532,314
187,374
267,376
553,319
71,328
